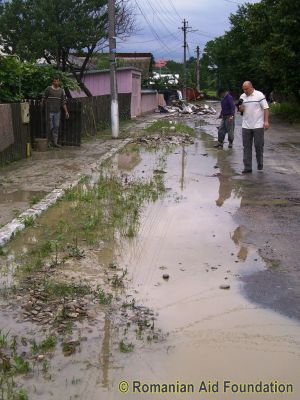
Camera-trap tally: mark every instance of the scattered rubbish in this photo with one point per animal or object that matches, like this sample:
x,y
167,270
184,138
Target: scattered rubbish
x,y
182,107
164,138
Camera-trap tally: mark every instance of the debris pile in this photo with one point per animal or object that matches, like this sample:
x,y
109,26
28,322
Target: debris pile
x,y
176,140
39,308
187,108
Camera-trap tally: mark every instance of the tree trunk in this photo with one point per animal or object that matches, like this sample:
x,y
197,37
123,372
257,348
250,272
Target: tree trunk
x,y
80,83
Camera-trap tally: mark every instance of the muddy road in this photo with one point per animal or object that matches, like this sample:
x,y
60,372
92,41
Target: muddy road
x,y
269,214
191,292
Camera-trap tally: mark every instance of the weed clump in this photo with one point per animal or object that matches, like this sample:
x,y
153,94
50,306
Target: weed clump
x,y
163,124
126,347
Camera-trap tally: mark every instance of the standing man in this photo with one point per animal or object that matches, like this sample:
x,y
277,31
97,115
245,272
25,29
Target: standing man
x,y
55,97
227,115
255,111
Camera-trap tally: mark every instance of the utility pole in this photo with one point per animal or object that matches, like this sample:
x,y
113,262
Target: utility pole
x,y
198,68
113,78
185,29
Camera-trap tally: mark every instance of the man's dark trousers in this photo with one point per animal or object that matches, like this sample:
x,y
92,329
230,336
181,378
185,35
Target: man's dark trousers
x,y
227,126
248,136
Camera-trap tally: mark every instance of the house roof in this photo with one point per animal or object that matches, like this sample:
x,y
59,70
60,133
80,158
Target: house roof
x,y
99,71
140,61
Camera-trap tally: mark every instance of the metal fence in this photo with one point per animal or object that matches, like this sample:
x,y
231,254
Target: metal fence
x,y
20,136
70,130
96,111
88,115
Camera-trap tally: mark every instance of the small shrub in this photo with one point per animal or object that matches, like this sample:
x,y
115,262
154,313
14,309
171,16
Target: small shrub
x,y
126,347
104,298
28,221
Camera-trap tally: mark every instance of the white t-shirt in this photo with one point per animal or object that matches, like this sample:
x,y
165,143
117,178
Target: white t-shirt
x,y
255,104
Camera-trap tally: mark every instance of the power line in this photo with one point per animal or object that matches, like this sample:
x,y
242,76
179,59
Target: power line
x,y
166,12
205,34
172,5
155,34
151,40
159,18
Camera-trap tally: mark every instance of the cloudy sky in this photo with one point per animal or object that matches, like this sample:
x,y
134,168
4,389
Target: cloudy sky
x,y
159,25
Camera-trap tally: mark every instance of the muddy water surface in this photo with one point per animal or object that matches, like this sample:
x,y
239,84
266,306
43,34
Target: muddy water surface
x,y
208,333
214,334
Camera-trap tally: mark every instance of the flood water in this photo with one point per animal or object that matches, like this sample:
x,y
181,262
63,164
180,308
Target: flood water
x,y
214,334
209,334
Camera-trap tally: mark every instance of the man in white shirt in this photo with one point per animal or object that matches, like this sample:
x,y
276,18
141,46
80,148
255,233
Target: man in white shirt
x,y
255,109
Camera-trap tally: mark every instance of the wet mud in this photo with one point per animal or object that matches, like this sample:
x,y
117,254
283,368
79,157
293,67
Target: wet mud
x,y
189,309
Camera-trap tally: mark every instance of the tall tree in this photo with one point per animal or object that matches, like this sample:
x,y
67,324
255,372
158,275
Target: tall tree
x,y
54,29
262,45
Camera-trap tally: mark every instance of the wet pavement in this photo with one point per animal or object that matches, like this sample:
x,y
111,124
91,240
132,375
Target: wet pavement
x,y
214,229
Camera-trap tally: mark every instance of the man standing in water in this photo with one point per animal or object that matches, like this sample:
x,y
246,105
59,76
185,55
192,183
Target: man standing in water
x,y
227,116
55,97
255,109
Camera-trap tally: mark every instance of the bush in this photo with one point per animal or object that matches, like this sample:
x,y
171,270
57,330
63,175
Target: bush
x,y
288,111
23,80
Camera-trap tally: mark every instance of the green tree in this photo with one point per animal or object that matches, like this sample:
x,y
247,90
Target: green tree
x,y
23,80
262,45
55,29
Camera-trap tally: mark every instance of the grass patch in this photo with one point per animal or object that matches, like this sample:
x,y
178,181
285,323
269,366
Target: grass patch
x,y
28,221
210,94
163,124
110,206
20,365
21,394
64,289
45,346
34,200
69,348
287,111
104,298
126,347
3,339
102,211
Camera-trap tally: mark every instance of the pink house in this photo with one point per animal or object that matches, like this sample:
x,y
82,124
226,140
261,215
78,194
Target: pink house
x,y
128,81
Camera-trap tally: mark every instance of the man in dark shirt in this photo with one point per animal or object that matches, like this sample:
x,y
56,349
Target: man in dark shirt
x,y
227,118
55,98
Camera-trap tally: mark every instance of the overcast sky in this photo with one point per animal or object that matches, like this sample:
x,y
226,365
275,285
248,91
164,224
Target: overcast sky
x,y
159,22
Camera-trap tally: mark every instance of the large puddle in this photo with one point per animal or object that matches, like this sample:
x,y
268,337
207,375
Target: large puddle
x,y
185,263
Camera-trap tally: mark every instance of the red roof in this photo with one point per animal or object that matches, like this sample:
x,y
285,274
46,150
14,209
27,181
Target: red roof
x,y
160,63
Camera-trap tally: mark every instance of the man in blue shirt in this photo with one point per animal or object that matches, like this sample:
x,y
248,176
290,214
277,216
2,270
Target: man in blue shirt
x,y
227,116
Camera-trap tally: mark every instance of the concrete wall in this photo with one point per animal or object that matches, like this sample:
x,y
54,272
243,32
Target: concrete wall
x,y
149,101
136,108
